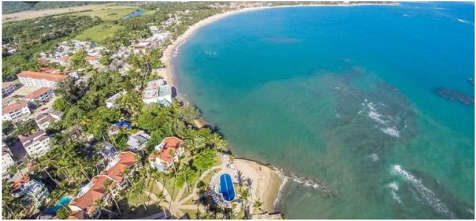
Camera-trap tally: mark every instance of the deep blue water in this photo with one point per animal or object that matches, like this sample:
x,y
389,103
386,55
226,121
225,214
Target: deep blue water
x,y
346,96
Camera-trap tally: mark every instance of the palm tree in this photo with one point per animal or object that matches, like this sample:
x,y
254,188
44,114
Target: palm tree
x,y
257,204
109,193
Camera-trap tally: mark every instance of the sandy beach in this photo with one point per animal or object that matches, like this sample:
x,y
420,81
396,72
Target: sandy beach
x,y
266,182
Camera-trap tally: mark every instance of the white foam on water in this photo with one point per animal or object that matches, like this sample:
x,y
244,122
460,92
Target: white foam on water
x,y
374,157
393,191
462,20
391,131
429,196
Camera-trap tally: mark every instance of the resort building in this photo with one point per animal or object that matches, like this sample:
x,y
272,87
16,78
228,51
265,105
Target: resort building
x,y
31,191
157,91
137,141
36,144
39,79
7,159
40,96
8,88
166,153
16,111
85,201
118,166
104,186
111,101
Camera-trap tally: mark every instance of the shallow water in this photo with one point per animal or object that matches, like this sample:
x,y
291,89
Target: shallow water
x,y
345,95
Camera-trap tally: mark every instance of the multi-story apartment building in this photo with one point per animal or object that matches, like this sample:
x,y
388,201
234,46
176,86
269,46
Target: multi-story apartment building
x,y
36,144
15,111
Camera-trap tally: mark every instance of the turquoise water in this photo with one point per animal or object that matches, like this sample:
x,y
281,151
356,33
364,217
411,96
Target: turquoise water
x,y
345,95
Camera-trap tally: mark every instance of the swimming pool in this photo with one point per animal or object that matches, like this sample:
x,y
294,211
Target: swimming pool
x,y
62,202
226,187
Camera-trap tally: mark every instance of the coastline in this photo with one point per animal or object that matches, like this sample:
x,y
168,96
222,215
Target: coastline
x,y
172,48
270,180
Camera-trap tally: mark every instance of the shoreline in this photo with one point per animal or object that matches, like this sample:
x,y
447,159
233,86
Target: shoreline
x,y
172,48
271,189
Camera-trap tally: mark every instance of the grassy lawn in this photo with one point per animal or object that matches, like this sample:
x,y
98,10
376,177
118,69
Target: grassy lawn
x,y
99,32
209,176
139,199
109,13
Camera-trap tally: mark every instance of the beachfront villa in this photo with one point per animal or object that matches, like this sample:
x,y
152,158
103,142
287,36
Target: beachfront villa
x,y
157,91
104,186
166,153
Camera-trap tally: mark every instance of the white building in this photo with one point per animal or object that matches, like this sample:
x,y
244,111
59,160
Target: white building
x,y
7,160
39,79
166,153
111,101
36,144
16,111
41,96
31,191
137,141
157,91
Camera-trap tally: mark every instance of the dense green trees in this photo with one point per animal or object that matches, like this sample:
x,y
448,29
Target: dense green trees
x,y
73,158
31,37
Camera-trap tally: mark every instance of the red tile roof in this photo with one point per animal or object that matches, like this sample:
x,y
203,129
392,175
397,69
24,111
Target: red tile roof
x,y
42,75
18,183
7,84
126,159
50,70
65,58
88,200
13,107
38,93
171,144
90,58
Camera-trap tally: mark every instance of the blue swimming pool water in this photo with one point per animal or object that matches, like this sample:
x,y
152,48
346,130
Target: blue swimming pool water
x,y
226,187
62,202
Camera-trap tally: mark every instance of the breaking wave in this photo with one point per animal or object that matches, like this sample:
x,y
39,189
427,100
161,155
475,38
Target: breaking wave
x,y
392,131
393,186
428,195
380,119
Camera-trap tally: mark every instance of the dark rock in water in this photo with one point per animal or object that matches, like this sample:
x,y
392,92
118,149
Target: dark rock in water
x,y
454,95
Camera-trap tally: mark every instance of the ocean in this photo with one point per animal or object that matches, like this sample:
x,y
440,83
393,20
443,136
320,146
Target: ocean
x,y
372,101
